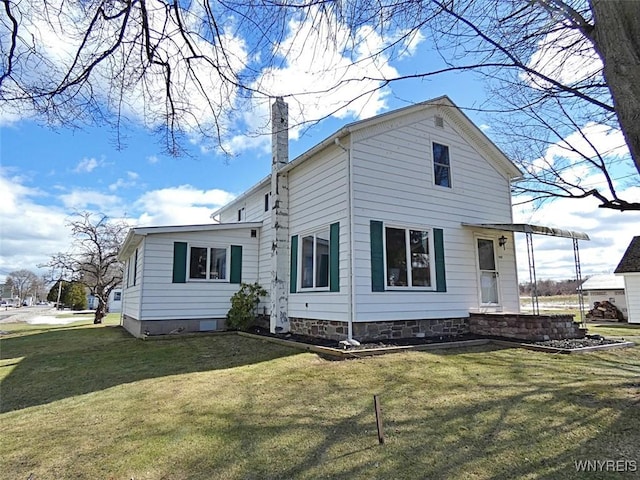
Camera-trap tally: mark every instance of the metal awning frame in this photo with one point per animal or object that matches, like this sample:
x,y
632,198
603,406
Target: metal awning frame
x,y
529,230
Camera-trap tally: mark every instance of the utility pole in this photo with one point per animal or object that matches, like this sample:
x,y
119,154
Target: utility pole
x,y
59,290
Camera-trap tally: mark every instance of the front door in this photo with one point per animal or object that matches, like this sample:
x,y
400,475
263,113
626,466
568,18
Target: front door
x,y
488,269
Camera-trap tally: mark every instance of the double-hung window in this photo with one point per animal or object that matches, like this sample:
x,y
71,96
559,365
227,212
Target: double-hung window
x,y
441,165
207,263
314,260
408,261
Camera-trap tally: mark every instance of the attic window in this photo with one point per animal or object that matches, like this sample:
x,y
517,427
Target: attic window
x,y
439,121
441,165
241,214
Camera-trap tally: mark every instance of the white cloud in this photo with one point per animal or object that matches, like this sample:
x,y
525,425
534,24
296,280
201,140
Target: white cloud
x,y
610,232
183,205
568,157
33,228
10,116
323,67
321,78
591,140
415,38
153,159
85,199
199,88
31,231
566,56
131,181
88,165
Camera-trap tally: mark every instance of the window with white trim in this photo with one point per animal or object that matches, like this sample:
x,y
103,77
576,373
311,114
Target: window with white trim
x,y
408,260
441,165
314,260
207,263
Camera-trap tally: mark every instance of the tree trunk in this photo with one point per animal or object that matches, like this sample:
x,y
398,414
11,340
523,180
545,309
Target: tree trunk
x,y
616,38
101,312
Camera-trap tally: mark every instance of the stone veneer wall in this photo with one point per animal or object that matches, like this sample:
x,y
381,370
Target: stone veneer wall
x,y
525,327
368,331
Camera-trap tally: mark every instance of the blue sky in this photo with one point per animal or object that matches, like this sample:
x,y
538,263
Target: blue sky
x,y
46,174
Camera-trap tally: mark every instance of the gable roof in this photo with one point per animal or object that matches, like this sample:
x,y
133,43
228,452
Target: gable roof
x,y
135,235
630,262
603,282
442,102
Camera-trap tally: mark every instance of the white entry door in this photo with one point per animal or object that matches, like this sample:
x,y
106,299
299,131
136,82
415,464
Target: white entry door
x,y
488,272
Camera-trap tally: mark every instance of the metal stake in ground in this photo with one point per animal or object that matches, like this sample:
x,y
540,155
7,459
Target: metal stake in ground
x,y
376,406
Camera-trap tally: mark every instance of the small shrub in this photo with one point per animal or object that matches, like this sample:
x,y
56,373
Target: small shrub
x,y
244,306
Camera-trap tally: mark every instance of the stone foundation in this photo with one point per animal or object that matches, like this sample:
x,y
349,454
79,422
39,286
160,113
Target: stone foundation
x,y
525,327
370,331
319,328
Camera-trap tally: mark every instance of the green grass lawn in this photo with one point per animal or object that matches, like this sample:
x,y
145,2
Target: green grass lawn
x,y
90,402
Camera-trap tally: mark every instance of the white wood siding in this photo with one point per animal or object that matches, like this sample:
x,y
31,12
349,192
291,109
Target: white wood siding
x,y
318,197
632,292
131,293
254,211
165,300
393,182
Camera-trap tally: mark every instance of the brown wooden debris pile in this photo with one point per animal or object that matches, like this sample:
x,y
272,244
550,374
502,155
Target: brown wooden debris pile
x,y
605,310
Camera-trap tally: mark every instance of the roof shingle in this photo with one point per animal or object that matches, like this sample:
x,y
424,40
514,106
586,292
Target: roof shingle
x,y
631,259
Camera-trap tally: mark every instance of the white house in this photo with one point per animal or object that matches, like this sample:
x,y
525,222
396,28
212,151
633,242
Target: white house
x,y
629,269
114,302
609,288
375,232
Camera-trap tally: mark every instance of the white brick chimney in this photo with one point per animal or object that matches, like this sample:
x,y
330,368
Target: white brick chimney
x,y
279,321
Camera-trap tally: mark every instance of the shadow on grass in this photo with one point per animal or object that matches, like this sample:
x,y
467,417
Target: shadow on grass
x,y
520,432
61,362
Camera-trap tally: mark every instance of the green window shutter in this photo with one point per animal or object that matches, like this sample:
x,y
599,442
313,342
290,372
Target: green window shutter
x,y
334,257
293,272
236,264
438,244
179,262
377,257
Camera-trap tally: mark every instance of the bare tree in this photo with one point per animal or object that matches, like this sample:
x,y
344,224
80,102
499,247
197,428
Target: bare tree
x,y
24,282
92,260
189,68
548,65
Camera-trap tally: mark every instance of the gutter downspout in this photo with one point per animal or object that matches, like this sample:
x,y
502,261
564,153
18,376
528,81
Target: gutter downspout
x,y
352,288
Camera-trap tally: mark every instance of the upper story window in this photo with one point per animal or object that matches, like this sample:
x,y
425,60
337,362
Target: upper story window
x,y
314,260
207,263
241,216
441,165
408,260
266,201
